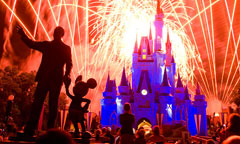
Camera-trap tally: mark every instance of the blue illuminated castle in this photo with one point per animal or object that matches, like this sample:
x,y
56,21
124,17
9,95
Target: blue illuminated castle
x,y
155,96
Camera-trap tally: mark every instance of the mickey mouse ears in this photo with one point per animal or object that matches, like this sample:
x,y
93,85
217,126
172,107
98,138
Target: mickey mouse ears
x,y
92,83
79,78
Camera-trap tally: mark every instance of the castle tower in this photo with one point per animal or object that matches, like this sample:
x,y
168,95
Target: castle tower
x,y
170,64
108,103
123,90
200,104
189,113
168,51
179,100
158,27
166,99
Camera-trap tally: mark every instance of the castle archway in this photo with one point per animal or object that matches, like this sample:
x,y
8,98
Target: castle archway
x,y
145,124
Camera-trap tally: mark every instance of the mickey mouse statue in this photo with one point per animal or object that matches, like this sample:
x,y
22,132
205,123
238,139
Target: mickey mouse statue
x,y
76,111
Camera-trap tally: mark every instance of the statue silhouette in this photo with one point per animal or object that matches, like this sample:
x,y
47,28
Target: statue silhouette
x,y
50,75
76,111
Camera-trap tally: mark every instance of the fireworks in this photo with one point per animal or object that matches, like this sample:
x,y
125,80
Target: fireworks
x,y
102,36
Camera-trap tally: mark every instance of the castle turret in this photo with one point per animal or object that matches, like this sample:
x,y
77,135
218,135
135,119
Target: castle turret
x,y
168,51
123,88
189,113
110,89
108,103
179,88
166,99
172,74
179,100
200,104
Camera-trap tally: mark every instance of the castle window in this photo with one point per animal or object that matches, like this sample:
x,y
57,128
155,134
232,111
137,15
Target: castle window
x,y
144,50
143,56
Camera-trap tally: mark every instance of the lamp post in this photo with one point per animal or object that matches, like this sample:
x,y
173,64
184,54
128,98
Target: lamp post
x,y
9,107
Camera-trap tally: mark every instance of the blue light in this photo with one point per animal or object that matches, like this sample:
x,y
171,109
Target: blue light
x,y
169,110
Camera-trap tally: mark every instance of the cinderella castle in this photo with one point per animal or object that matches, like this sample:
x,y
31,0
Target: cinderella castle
x,y
155,96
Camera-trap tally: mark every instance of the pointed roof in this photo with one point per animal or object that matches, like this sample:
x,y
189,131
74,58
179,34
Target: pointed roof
x,y
124,79
159,10
130,88
168,38
136,46
108,87
165,82
150,33
144,44
144,77
198,90
179,82
173,60
186,96
114,83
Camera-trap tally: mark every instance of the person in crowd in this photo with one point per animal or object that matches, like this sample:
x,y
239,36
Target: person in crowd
x,y
117,137
233,129
140,139
76,111
55,136
156,137
104,131
49,77
98,133
109,135
127,119
235,139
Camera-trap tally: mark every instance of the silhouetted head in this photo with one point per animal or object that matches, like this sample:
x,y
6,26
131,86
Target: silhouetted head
x,y
141,133
234,120
81,87
156,130
55,136
127,107
58,33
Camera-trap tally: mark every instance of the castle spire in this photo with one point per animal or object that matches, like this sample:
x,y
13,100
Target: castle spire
x,y
186,97
168,38
108,87
124,79
173,60
179,82
136,46
198,90
165,82
150,33
159,10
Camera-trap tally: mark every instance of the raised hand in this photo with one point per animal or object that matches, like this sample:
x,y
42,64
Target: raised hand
x,y
20,30
67,81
